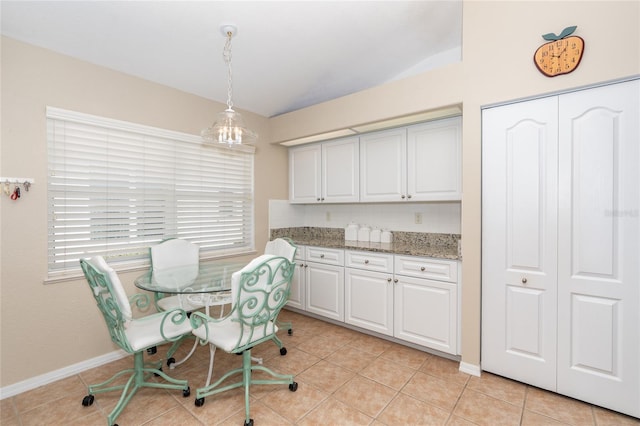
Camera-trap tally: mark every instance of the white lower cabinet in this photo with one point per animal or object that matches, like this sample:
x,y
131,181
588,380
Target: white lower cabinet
x,y
426,302
369,293
324,281
297,292
411,298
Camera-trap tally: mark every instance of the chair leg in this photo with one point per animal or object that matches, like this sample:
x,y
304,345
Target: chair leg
x,y
136,381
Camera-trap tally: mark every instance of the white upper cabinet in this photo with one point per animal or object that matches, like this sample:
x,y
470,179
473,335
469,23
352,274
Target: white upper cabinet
x,y
417,163
434,161
327,172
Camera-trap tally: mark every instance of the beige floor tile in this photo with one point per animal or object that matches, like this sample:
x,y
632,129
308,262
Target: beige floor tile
x,y
406,356
371,344
8,411
326,376
559,407
217,407
294,362
334,412
529,418
352,358
295,405
405,410
71,386
498,387
444,369
441,393
383,371
611,418
365,395
458,421
261,414
320,346
58,411
485,410
175,416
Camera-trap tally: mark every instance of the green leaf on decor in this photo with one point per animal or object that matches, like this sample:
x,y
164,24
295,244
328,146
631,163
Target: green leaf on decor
x,y
552,37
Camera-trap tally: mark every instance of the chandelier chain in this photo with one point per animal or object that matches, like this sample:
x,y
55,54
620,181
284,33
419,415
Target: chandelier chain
x,y
226,54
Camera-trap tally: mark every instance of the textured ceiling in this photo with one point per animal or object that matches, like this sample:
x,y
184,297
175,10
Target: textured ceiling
x,y
286,55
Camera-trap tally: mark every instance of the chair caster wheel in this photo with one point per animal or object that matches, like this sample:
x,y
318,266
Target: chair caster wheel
x,y
152,350
87,400
249,423
293,386
170,361
156,374
186,392
283,351
199,402
290,332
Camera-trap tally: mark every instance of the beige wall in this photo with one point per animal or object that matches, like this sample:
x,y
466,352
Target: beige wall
x,y
499,40
48,327
39,324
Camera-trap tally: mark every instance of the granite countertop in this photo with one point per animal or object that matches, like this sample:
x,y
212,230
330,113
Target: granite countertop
x,y
440,246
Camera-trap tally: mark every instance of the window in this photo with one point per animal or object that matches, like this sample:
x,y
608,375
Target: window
x,y
115,188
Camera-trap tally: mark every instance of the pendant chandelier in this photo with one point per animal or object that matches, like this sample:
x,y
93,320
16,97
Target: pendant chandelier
x,y
229,126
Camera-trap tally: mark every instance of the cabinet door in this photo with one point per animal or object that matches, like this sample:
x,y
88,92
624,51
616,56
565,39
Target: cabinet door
x,y
383,157
599,247
519,241
434,161
425,313
341,171
304,174
325,290
369,300
296,295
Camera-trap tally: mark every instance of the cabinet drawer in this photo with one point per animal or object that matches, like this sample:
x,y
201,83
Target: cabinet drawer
x,y
425,267
369,261
325,255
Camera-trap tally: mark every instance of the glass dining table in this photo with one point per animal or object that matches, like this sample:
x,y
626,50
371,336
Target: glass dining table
x,y
196,286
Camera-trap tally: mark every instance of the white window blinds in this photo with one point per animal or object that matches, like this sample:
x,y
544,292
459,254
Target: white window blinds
x,y
115,188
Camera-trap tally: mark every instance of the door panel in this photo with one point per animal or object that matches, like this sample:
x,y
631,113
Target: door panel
x,y
519,241
599,238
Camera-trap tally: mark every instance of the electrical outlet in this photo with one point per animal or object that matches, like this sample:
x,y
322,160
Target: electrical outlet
x,y
418,218
328,216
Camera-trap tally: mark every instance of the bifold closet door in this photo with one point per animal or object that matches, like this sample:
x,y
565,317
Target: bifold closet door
x,y
519,241
599,246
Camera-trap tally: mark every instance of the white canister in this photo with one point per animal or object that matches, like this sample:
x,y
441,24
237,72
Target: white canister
x,y
375,235
364,233
386,237
351,232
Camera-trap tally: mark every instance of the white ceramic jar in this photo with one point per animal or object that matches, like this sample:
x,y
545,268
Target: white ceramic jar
x,y
375,235
351,232
364,233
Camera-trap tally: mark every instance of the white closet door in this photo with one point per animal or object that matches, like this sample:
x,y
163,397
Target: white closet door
x,y
519,241
598,251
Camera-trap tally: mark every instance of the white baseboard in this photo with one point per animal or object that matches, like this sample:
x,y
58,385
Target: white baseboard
x,y
472,369
63,373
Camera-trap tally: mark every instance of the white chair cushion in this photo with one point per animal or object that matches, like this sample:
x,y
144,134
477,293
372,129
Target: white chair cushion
x,y
145,332
225,334
122,300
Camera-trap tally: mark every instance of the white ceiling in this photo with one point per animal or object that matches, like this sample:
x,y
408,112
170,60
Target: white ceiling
x,y
286,55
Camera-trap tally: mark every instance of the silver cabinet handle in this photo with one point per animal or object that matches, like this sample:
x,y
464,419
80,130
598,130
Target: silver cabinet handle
x,y
422,268
317,199
402,196
388,280
322,256
524,281
366,262
395,280
409,196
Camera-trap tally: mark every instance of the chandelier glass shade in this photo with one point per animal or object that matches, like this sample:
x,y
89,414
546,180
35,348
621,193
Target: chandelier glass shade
x,y
229,127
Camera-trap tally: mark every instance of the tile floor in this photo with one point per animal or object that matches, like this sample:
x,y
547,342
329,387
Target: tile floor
x,y
344,377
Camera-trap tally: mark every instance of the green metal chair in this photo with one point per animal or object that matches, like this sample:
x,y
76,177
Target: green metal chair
x,y
258,291
286,248
134,335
